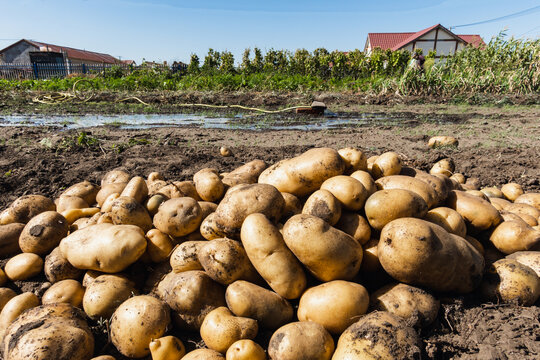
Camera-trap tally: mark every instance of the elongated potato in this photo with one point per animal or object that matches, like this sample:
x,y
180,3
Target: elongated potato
x,y
415,185
85,190
6,294
350,192
25,208
23,266
511,236
527,258
442,141
14,307
323,204
478,214
530,198
499,204
245,174
304,340
136,189
220,329
387,205
9,239
523,209
267,251
365,178
449,219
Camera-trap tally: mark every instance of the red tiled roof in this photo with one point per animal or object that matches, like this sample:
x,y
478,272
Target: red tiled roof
x,y
474,40
414,36
78,54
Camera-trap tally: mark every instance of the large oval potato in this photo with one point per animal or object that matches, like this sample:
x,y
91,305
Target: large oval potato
x,y
478,213
304,174
57,267
25,208
323,204
15,307
449,219
43,233
387,205
9,239
105,294
415,185
304,340
350,192
245,174
328,253
178,217
209,185
511,236
220,329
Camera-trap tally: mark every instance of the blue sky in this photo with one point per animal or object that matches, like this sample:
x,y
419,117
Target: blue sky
x,y
173,29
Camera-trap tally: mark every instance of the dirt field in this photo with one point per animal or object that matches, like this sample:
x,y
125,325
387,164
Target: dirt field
x,y
497,145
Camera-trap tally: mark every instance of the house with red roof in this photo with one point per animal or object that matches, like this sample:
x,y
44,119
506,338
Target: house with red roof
x,y
436,37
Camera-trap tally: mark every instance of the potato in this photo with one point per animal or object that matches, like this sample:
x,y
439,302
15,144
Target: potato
x,y
104,357
242,200
511,236
14,307
365,178
442,141
378,335
245,349
43,233
417,186
523,209
3,277
220,329
65,291
6,294
335,305
188,189
245,174
304,340
203,354
476,244
532,198
209,230
9,239
107,190
444,167
478,214
527,258
75,214
159,245
267,251
354,159
387,205
293,206
53,331
178,217
68,202
499,204
136,189
191,295
492,192
350,192
354,225
209,185
370,161
23,266
252,301
128,211
448,219
473,183
507,280
90,276
386,164
167,348
25,208
136,322
323,204
57,267
184,257
328,253
304,174
105,294
207,208
417,252
155,185
414,305
85,190
153,203
512,191
104,247
458,177
370,259
115,176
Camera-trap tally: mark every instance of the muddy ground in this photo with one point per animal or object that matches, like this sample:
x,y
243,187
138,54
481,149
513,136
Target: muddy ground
x,y
497,145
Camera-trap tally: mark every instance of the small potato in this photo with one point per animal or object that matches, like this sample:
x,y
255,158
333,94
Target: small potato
x,y
225,151
293,206
350,192
511,236
473,183
6,294
304,340
184,257
75,214
323,204
417,186
25,208
115,176
65,291
167,348
43,233
127,211
245,174
105,294
84,190
245,350
220,329
23,266
492,192
159,246
458,177
178,217
386,164
442,141
507,280
3,277
14,307
354,159
444,167
439,185
153,176
249,300
387,205
203,354
414,305
9,239
365,178
531,198
136,189
107,190
153,203
335,305
448,219
479,214
188,189
354,225
68,202
527,258
512,191
209,185
57,267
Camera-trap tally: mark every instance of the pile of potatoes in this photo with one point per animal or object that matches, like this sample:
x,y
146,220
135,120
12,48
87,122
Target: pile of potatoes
x,y
331,254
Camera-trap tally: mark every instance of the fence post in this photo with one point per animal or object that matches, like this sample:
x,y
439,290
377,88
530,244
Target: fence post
x,y
36,75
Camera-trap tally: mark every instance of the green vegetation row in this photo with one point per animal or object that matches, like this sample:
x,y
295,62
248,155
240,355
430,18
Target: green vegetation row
x,y
502,66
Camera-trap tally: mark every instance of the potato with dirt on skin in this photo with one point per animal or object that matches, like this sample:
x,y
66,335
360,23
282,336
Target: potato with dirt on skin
x,y
378,335
43,233
303,340
365,178
65,291
293,206
350,192
324,205
449,219
191,295
273,260
136,322
417,252
507,280
246,299
304,174
9,239
15,307
417,186
499,204
6,294
414,305
479,214
167,348
442,141
159,245
245,174
188,188
203,354
512,236
137,189
523,209
220,329
105,293
85,190
126,210
335,305
107,190
386,164
530,198
209,229
387,205
25,208
444,167
354,159
328,253
184,257
512,191
527,258
178,217
245,349
209,185
57,268
68,202
354,225
23,266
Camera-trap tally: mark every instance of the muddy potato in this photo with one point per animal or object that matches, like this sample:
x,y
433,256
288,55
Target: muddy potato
x,y
191,295
209,229
245,174
527,258
25,208
220,329
387,205
155,185
354,159
267,251
444,167
304,174
242,200
417,252
507,280
499,204
386,164
479,214
350,192
203,354
53,331
107,190
184,257
137,189
85,190
252,301
9,239
43,233
226,261
414,305
14,307
6,294
512,191
105,294
126,210
245,350
188,189
159,245
136,322
209,185
323,204
449,219
104,247
115,176
68,202
57,268
335,305
328,253
415,185
512,236
167,348
23,266
531,198
354,225
378,335
442,141
304,340
64,291
365,178
178,217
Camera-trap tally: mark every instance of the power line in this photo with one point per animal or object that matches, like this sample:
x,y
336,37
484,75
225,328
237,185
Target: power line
x,y
526,32
509,16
